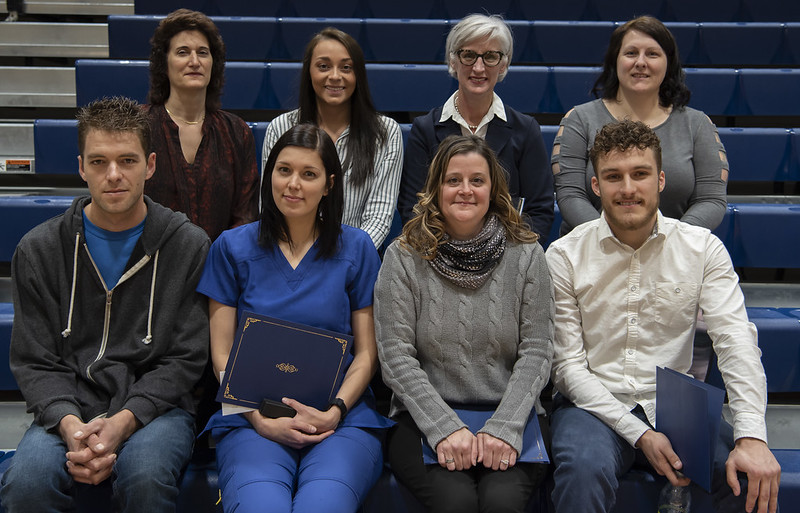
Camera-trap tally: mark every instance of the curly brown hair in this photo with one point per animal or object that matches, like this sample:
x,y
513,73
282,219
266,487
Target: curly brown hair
x,y
176,22
622,136
426,230
117,114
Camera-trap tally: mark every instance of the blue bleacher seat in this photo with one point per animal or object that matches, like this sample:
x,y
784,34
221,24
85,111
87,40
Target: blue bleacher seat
x,y
55,146
761,154
771,92
21,213
7,381
755,243
779,341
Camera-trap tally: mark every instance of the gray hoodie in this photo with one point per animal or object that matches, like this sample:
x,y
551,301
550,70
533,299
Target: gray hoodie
x,y
78,348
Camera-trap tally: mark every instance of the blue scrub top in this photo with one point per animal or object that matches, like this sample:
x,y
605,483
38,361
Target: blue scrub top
x,y
321,292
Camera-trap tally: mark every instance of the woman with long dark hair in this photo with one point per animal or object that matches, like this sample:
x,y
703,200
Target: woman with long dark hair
x,y
642,80
334,95
298,263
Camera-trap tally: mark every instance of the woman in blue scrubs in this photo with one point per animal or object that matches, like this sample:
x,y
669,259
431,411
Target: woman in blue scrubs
x,y
298,263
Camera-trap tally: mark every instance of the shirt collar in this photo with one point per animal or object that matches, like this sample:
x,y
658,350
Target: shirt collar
x,y
604,230
449,111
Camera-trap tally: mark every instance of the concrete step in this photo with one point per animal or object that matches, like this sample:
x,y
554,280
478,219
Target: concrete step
x,y
54,40
78,7
32,86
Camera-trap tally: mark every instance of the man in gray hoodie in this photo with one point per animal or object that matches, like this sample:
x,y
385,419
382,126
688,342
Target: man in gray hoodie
x,y
109,335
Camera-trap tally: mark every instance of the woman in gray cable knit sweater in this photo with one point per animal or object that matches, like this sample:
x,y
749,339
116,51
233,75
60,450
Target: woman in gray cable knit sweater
x,y
464,318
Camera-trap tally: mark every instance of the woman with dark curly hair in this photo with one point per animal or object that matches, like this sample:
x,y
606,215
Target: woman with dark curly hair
x,y
642,80
206,159
464,321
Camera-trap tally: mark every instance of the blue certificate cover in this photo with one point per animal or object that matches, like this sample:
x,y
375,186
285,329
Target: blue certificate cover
x,y
533,450
273,359
688,412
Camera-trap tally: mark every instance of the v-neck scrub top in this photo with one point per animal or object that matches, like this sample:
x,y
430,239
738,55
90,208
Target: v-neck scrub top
x,y
320,292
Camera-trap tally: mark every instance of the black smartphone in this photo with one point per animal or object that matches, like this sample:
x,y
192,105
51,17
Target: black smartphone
x,y
274,409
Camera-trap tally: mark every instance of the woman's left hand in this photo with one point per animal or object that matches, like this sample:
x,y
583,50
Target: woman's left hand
x,y
322,420
495,453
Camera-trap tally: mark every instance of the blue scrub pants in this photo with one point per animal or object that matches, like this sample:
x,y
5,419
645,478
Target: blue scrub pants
x,y
145,476
333,476
590,457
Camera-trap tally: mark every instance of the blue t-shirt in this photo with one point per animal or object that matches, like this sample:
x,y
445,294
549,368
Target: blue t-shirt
x,y
111,250
319,292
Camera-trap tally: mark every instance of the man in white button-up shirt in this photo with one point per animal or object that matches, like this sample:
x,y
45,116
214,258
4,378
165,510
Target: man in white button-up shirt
x,y
628,287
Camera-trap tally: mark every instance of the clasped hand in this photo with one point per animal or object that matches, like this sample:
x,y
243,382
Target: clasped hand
x,y
309,426
463,450
92,446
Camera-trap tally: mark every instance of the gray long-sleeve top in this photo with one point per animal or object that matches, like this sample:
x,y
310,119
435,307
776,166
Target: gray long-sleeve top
x,y
442,344
693,159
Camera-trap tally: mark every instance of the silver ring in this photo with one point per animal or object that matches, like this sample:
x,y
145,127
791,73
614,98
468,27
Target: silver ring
x,y
450,460
504,461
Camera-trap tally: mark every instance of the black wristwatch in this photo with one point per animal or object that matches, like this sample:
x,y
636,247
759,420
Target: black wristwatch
x,y
339,403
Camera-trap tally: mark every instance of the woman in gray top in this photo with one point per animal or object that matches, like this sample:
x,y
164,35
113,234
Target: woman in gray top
x,y
642,80
464,319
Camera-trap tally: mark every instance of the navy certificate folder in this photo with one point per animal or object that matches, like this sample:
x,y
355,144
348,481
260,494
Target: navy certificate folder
x,y
272,359
533,450
689,412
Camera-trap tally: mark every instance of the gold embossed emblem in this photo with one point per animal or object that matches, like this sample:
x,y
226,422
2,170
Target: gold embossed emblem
x,y
287,368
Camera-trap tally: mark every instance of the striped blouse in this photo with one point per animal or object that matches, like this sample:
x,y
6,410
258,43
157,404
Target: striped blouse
x,y
369,206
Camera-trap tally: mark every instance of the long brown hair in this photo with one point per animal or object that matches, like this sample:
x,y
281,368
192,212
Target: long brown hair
x,y
426,230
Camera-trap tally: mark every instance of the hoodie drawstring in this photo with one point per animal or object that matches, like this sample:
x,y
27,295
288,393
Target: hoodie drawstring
x,y
68,329
149,337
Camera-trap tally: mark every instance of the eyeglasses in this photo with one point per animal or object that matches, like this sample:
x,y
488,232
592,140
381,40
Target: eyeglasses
x,y
469,57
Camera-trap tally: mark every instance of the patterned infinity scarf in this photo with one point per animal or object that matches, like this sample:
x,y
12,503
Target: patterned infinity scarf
x,y
468,263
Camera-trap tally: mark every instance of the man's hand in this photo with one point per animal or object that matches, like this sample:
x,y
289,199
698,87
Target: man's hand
x,y
659,453
459,451
753,457
82,463
92,447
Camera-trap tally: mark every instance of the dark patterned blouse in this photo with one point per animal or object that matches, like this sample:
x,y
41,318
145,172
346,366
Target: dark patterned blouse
x,y
220,189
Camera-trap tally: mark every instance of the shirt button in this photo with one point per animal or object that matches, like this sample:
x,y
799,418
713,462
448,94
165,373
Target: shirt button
x,y
633,288
636,255
630,352
633,320
677,290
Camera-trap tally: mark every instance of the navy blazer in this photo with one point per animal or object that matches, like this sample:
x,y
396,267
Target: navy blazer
x,y
519,147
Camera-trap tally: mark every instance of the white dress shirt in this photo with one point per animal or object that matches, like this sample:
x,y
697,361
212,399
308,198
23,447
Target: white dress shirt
x,y
497,109
621,312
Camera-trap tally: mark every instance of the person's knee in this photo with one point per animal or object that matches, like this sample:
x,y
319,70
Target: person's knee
x,y
454,502
34,477
326,496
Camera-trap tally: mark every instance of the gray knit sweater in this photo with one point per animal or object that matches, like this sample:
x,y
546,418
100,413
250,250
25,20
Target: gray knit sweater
x,y
441,344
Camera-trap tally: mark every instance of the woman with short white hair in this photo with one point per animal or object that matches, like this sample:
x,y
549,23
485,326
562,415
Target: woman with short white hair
x,y
479,50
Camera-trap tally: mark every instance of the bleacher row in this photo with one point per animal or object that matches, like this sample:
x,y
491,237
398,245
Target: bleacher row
x,y
540,89
265,39
583,10
535,42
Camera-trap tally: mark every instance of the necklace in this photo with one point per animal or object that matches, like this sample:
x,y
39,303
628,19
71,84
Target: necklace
x,y
183,120
471,127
